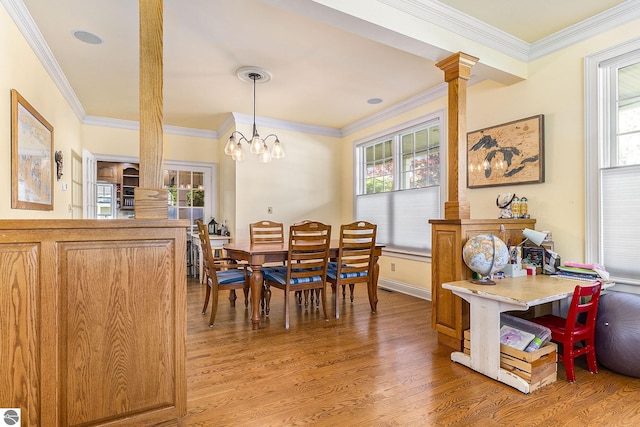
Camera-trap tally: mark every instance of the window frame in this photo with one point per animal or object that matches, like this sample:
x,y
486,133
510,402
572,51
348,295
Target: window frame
x,y
394,132
600,138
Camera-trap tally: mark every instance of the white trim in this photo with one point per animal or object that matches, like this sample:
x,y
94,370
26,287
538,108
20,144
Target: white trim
x,y
247,119
621,287
594,105
135,125
404,254
394,131
210,171
438,114
115,158
598,24
409,104
89,184
451,19
405,288
23,20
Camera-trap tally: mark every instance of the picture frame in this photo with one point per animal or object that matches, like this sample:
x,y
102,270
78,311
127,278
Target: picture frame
x,y
507,154
533,255
32,161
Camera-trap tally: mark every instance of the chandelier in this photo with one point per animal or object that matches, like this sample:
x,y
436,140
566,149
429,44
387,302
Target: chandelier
x,y
257,145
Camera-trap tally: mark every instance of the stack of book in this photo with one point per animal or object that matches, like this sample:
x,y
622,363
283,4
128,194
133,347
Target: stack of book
x,y
582,272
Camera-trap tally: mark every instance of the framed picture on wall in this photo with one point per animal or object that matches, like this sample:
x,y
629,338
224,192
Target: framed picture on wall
x,y
507,154
32,160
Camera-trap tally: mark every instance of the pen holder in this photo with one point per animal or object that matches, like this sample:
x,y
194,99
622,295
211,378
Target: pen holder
x,y
514,270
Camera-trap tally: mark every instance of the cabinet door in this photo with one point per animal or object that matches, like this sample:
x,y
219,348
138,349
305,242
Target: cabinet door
x,y
108,172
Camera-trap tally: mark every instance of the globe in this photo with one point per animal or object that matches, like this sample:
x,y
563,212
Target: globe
x,y
485,254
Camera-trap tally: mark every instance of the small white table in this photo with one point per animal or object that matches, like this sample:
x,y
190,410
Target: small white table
x,y
217,243
486,302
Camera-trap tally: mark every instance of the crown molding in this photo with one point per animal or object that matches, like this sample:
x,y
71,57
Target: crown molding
x,y
408,104
399,108
23,20
247,119
450,19
134,125
604,21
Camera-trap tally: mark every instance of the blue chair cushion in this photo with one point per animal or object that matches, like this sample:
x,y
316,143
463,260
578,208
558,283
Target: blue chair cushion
x,y
332,274
278,268
227,277
281,277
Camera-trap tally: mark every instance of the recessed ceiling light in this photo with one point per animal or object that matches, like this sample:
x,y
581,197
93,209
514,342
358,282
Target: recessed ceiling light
x,y
87,37
374,101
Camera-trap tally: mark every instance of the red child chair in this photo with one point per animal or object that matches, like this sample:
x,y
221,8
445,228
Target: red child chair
x,y
572,330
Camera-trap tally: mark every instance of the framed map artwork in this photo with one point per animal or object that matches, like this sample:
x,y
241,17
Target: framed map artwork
x,y
507,154
31,157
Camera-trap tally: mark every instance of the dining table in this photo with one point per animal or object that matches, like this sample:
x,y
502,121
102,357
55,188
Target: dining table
x,y
259,254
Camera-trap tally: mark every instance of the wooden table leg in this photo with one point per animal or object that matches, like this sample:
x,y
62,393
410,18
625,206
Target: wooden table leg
x,y
256,291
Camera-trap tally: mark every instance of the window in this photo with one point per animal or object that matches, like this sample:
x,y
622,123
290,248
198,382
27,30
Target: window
x,y
186,194
379,167
398,183
612,97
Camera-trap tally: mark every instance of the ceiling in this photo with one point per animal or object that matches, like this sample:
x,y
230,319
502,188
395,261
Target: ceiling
x,y
325,63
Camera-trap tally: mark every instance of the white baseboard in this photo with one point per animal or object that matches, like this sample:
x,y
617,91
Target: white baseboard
x,y
404,288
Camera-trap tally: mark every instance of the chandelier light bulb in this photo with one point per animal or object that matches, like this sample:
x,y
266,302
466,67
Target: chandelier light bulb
x,y
264,157
257,145
238,154
278,151
230,148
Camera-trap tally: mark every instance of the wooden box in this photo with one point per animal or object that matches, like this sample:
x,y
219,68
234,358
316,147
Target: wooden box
x,y
538,368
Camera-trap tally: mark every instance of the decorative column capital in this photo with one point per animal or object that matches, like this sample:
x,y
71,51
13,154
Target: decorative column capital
x,y
457,66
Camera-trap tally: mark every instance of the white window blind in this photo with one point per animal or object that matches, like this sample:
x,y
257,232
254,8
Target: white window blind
x,y
402,216
620,204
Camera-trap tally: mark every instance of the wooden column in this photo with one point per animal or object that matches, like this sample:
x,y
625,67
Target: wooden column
x,y
150,199
457,70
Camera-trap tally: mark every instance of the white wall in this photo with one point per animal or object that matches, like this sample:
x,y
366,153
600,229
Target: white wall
x,y
305,184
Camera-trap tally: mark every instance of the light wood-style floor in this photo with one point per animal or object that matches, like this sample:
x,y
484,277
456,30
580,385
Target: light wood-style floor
x,y
364,369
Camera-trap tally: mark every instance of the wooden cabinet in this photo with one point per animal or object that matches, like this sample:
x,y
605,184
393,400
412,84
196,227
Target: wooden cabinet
x,y
126,176
108,172
450,314
93,321
130,180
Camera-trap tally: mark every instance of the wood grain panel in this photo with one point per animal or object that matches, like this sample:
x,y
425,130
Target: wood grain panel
x,y
19,358
117,358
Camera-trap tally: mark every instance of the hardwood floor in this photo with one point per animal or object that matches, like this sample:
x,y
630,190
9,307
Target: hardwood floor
x,y
364,369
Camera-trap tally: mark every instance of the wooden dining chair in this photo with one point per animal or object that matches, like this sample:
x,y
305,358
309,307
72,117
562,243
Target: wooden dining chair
x,y
298,294
266,232
306,264
263,232
221,274
576,333
355,261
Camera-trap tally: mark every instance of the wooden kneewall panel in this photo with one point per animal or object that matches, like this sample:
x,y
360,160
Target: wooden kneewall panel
x,y
19,335
116,308
94,326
